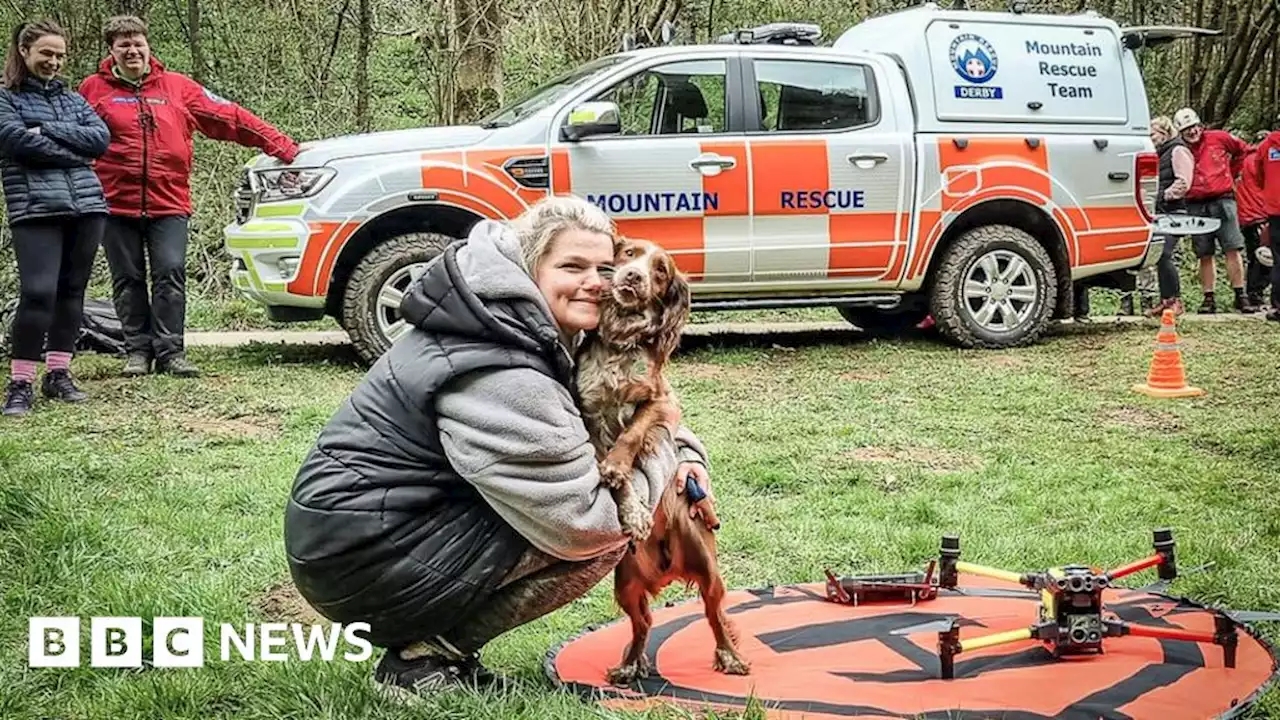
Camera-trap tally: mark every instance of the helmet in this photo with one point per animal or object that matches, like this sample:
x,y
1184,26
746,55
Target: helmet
x,y
1185,118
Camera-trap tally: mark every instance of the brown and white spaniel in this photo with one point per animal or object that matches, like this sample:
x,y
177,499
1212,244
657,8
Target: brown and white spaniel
x,y
625,398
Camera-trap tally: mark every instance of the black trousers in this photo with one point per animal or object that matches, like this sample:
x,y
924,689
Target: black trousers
x,y
1167,269
154,322
1274,225
55,260
1256,272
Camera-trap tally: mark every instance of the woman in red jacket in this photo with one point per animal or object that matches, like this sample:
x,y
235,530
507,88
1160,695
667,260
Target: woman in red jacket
x,y
152,113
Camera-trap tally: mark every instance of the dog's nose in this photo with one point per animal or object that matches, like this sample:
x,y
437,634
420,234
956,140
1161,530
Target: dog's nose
x,y
629,276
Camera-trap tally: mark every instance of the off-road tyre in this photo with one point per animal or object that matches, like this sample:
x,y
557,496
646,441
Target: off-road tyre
x,y
360,301
955,319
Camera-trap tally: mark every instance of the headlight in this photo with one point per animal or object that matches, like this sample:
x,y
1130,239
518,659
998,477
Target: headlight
x,y
290,183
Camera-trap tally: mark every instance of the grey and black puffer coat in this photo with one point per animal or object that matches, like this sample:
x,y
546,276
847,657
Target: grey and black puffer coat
x,y
50,173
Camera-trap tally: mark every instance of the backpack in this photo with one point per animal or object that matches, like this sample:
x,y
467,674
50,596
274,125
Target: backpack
x,y
100,329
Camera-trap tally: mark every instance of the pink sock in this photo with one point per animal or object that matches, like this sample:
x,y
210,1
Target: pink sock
x,y
55,360
23,370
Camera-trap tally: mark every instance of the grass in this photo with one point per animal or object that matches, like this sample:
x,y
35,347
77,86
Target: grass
x,y
165,497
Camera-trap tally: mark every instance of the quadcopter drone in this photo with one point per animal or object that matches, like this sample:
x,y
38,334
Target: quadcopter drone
x,y
1071,618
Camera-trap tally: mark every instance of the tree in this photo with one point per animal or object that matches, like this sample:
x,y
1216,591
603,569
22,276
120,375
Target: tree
x,y
364,46
477,43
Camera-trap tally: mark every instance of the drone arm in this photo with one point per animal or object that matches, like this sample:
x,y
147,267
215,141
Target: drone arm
x,y
1224,634
990,572
1164,633
1134,567
1003,638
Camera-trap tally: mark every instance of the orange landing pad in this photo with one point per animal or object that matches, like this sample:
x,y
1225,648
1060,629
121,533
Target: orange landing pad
x,y
820,660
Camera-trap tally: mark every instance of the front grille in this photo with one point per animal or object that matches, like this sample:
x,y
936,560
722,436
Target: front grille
x,y
243,198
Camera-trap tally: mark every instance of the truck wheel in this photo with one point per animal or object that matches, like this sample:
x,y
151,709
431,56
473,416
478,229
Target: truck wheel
x,y
371,305
995,288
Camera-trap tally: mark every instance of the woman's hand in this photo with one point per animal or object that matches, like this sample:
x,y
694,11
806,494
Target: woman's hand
x,y
699,473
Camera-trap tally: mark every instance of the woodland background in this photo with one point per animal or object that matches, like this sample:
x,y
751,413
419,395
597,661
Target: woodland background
x,y
333,67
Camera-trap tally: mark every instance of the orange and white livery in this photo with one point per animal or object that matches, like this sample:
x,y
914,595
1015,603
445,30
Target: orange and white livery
x,y
968,165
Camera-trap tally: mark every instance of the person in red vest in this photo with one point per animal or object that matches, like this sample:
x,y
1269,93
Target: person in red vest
x,y
1219,156
152,113
1253,223
1267,164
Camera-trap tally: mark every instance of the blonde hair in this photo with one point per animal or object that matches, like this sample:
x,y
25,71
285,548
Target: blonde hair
x,y
539,226
1164,126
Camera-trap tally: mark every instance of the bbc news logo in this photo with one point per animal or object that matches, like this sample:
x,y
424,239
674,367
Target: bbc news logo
x,y
179,642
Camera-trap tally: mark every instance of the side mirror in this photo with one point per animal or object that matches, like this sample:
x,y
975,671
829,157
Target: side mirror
x,y
592,118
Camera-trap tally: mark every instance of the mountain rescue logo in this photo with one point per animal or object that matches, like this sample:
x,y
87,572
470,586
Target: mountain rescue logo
x,y
1273,154
976,62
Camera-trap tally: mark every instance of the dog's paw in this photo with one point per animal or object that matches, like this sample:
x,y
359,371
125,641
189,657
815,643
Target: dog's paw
x,y
635,519
628,673
614,474
730,663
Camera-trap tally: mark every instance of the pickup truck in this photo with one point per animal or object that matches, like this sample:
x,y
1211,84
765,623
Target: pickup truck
x,y
967,165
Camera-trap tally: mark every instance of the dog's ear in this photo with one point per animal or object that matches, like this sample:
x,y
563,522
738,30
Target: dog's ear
x,y
674,312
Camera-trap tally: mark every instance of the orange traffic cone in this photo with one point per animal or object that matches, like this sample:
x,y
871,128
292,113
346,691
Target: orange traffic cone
x,y
1167,378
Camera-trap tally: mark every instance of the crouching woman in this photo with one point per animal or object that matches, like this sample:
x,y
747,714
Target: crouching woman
x,y
455,494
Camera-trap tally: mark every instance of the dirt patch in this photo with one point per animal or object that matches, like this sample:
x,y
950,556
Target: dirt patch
x,y
1140,418
282,603
937,460
1008,362
864,376
254,427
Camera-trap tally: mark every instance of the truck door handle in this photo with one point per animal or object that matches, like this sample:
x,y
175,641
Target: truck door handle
x,y
866,161
711,160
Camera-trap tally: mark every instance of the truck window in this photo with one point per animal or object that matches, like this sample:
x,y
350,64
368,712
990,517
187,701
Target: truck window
x,y
546,93
672,99
810,95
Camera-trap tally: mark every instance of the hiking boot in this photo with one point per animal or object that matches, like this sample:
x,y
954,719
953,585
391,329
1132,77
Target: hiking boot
x,y
481,676
57,385
1243,305
18,398
1208,306
1274,315
422,676
1256,301
178,365
137,365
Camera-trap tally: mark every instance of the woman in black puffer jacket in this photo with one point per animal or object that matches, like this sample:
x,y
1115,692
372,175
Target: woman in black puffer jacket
x,y
49,137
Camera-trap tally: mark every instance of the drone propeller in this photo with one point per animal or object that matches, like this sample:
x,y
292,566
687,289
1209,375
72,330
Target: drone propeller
x,y
999,593
932,626
1251,616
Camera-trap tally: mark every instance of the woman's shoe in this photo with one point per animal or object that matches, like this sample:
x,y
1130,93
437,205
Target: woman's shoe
x,y
58,385
18,398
